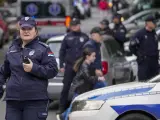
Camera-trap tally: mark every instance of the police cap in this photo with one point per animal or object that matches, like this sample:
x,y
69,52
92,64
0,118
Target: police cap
x,y
75,21
151,19
96,30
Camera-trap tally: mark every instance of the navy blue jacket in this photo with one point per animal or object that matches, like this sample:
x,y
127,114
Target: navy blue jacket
x,y
32,85
72,47
144,43
120,32
96,46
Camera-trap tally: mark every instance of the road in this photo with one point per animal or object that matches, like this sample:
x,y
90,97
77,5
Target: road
x,y
86,27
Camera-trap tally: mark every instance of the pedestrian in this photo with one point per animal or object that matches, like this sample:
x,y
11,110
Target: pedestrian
x,y
71,49
104,25
95,43
115,6
119,30
27,67
144,45
16,34
83,81
103,8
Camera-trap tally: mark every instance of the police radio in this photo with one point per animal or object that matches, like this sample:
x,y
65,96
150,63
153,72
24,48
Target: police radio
x,y
25,60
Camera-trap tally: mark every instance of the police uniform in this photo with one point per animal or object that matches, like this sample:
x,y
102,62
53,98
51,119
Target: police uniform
x,y
119,31
145,46
106,30
26,92
70,51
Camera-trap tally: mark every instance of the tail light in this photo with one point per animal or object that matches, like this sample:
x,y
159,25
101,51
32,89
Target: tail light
x,y
68,20
104,67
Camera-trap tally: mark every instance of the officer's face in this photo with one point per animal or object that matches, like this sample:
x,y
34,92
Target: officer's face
x,y
116,20
28,34
91,57
102,26
75,28
151,25
97,37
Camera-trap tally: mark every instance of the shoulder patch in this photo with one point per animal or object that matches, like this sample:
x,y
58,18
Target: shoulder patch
x,y
43,44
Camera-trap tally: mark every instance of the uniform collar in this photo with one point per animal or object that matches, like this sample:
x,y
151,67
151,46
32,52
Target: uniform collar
x,y
18,42
95,43
76,33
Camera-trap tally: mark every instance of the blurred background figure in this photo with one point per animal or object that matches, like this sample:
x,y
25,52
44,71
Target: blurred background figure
x,y
104,25
119,30
103,7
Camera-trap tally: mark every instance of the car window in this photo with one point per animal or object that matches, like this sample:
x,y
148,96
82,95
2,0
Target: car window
x,y
143,18
55,47
113,48
43,9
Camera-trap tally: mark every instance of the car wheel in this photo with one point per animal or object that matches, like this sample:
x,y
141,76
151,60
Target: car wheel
x,y
135,116
53,105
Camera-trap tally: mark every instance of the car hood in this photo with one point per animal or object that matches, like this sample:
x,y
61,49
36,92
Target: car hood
x,y
117,91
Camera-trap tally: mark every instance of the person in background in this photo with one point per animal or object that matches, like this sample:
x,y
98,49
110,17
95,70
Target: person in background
x,y
71,49
27,67
103,7
119,30
16,34
95,43
104,25
144,45
83,81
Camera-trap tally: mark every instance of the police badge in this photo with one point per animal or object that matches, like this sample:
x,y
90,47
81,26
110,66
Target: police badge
x,y
31,52
81,39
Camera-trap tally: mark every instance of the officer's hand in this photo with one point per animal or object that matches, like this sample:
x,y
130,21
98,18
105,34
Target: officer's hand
x,y
28,67
62,70
99,73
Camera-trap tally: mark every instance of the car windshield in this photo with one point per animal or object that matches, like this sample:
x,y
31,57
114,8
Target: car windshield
x,y
43,9
113,48
55,47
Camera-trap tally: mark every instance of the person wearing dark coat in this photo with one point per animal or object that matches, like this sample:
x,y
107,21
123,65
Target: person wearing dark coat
x,y
26,69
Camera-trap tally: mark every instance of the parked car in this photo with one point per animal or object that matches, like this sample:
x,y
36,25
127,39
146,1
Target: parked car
x,y
9,19
116,68
135,7
129,101
137,21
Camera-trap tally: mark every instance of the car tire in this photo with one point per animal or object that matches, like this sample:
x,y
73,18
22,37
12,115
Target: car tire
x,y
135,116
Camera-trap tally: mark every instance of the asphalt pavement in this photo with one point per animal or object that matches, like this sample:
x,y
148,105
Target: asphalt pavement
x,y
87,25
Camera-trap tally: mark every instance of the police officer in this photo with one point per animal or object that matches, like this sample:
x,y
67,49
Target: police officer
x,y
27,67
115,6
95,43
145,46
104,25
119,30
71,49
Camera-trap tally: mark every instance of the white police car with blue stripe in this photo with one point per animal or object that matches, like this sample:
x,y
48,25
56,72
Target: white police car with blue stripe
x,y
129,101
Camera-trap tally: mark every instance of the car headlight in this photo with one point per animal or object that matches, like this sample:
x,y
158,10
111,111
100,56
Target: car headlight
x,y
86,105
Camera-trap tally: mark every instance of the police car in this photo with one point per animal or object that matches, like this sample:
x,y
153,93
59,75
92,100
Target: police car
x,y
130,101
